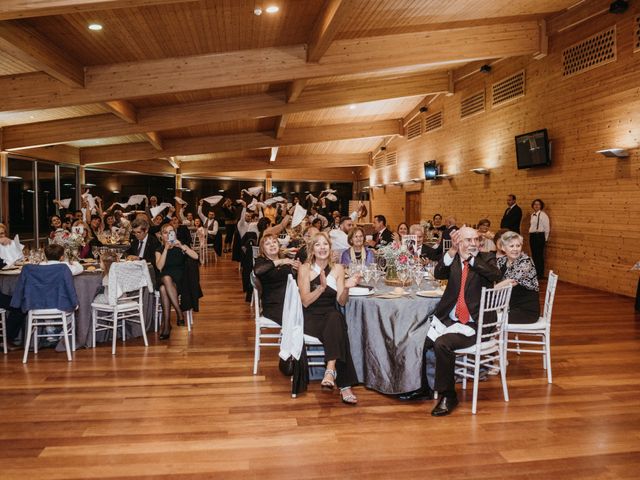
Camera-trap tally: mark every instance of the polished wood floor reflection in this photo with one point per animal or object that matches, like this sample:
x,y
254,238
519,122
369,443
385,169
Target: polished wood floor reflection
x,y
190,408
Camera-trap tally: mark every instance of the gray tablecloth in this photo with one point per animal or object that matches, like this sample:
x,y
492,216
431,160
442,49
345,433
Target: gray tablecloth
x,y
87,284
387,340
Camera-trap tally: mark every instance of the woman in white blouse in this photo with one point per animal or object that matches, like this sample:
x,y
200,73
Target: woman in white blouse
x,y
538,235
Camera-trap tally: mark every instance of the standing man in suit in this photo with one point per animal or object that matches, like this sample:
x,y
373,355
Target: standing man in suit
x,y
512,215
382,236
454,321
144,245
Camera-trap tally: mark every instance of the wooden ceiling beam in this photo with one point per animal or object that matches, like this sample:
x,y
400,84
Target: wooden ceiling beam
x,y
333,16
123,110
314,175
281,124
153,167
274,64
154,139
16,9
29,46
287,161
157,119
243,141
576,15
294,90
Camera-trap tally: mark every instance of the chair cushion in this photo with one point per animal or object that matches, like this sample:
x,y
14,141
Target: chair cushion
x,y
309,340
541,324
48,311
120,306
264,322
485,347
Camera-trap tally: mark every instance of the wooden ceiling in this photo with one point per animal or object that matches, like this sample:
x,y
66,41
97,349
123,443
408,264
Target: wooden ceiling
x,y
220,90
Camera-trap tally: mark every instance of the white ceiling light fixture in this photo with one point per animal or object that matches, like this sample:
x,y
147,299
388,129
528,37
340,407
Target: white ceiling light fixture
x,y
272,9
257,11
481,171
444,176
352,106
96,27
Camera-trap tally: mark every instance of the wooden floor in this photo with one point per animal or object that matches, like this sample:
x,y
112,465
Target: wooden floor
x,y
190,408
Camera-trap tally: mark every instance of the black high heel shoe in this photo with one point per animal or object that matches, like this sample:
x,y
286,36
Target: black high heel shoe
x,y
165,334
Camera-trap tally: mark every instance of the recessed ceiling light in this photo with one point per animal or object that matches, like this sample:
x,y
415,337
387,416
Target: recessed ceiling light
x,y
272,9
257,11
96,27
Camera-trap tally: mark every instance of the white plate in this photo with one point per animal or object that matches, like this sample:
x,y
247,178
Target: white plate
x,y
430,293
359,292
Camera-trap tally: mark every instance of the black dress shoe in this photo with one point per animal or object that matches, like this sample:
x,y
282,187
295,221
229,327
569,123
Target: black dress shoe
x,y
421,394
445,406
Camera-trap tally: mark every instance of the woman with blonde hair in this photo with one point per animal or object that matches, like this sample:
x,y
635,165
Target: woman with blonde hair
x,y
322,284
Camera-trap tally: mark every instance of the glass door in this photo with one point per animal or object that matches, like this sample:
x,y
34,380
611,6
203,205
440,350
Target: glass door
x,y
21,195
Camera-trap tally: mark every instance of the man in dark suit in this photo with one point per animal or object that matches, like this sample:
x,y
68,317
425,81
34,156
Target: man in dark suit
x,y
144,245
454,320
512,215
382,236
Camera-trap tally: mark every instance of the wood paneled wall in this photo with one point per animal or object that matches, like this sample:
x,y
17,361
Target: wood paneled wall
x,y
593,201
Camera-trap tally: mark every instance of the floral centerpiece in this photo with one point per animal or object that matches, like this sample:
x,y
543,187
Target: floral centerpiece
x,y
396,256
71,241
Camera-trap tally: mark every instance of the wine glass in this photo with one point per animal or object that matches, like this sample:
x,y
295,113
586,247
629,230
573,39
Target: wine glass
x,y
418,276
403,275
367,274
95,251
376,274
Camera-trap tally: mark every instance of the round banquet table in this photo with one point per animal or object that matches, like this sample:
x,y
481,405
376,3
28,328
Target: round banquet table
x,y
87,285
387,338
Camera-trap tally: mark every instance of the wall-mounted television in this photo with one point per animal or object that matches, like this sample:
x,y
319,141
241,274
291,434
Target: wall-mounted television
x,y
430,170
532,149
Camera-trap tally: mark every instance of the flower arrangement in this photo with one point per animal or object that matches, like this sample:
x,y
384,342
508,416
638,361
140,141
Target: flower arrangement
x,y
71,241
396,256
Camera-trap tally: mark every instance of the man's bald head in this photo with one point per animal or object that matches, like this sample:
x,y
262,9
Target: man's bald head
x,y
467,240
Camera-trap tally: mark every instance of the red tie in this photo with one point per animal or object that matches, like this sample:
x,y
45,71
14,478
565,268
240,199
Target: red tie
x,y
462,311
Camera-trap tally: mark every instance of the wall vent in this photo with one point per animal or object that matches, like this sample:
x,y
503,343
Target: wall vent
x,y
636,35
508,89
433,122
414,129
472,105
385,159
592,52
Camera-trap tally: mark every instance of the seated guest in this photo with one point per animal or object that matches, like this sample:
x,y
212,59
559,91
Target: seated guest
x,y
454,321
321,285
437,228
273,271
15,318
486,237
55,224
182,231
358,253
55,254
423,251
106,259
144,245
201,233
316,223
382,236
95,226
265,227
89,240
170,262
401,231
339,236
307,235
519,271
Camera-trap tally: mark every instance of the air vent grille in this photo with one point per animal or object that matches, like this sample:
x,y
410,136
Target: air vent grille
x,y
636,35
392,159
433,122
508,89
385,159
414,129
472,105
597,50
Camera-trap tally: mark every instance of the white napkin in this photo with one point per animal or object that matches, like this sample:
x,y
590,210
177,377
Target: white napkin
x,y
313,199
90,200
252,206
298,215
331,197
179,200
65,202
156,210
213,200
271,201
329,190
253,191
12,252
136,199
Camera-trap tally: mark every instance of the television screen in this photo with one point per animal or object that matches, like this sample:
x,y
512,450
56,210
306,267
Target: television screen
x,y
532,149
430,170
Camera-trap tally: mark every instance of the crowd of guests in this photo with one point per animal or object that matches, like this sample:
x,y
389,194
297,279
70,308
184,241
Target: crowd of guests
x,y
475,258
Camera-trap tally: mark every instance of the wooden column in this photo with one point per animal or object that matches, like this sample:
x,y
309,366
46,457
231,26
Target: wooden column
x,y
268,183
178,187
4,188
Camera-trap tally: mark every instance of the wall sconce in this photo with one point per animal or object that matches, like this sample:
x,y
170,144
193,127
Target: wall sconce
x,y
11,178
396,183
481,171
614,152
444,176
115,191
88,185
417,180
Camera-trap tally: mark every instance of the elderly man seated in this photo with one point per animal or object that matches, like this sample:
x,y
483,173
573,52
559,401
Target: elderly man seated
x,y
453,325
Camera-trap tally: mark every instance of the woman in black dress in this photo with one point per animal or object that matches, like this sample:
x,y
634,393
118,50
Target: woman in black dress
x,y
273,271
321,284
170,261
519,271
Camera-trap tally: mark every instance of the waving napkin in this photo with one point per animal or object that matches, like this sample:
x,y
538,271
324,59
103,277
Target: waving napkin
x,y
271,201
180,201
91,201
253,191
213,200
156,210
331,197
298,215
65,202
